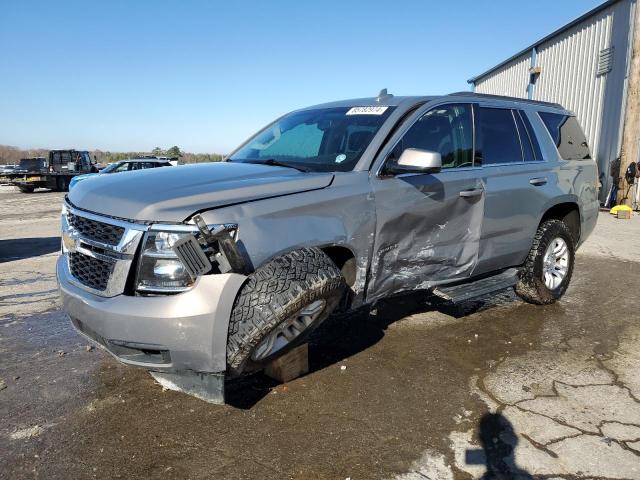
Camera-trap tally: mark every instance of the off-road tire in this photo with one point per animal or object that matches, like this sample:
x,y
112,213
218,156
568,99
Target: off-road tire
x,y
275,292
531,287
26,189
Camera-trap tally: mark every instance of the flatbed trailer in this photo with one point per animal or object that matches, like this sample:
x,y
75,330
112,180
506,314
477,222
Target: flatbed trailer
x,y
53,173
27,182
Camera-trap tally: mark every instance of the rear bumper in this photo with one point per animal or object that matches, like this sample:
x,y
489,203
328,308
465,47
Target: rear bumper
x,y
172,333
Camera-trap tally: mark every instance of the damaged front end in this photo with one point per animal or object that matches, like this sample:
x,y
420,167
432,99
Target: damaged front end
x,y
155,296
214,248
173,257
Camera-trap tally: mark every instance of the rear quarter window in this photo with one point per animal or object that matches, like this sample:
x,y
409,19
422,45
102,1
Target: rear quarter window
x,y
567,135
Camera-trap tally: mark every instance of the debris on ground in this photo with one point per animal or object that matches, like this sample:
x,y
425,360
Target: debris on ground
x,y
25,433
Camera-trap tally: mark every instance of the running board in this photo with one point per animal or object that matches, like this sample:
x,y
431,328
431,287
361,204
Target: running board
x,y
468,291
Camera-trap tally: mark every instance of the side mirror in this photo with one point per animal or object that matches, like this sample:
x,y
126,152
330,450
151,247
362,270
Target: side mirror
x,y
414,160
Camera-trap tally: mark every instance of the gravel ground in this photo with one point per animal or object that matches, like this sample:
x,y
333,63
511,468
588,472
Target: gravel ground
x,y
544,392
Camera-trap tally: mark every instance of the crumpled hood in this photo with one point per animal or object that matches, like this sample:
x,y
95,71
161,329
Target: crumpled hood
x,y
171,194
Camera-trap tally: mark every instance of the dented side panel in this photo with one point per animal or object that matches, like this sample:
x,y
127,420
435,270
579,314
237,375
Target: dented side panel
x,y
426,233
340,215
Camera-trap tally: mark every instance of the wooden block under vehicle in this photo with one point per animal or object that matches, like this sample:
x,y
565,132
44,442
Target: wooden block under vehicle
x,y
624,214
291,365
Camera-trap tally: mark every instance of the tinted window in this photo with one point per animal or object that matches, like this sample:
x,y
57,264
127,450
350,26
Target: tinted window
x,y
567,135
532,136
123,167
497,137
527,148
447,129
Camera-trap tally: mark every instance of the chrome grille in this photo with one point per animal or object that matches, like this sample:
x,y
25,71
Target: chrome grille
x,y
96,231
99,250
92,272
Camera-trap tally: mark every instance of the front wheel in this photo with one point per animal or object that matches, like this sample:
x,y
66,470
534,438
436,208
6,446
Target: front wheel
x,y
280,304
27,188
546,274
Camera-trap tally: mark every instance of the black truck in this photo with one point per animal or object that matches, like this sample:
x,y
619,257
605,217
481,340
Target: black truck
x,y
54,172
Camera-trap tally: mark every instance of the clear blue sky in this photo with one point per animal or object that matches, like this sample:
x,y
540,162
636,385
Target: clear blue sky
x,y
203,75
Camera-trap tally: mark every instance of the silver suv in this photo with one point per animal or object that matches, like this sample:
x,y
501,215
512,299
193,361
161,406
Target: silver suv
x,y
208,270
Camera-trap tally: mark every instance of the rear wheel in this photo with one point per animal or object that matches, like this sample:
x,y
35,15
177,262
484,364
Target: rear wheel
x,y
280,305
62,184
547,271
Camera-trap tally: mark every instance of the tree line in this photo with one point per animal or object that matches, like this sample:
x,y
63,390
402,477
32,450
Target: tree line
x,y
11,155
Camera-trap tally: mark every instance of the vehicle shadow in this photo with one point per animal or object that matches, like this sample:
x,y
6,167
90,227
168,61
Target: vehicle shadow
x,y
499,442
344,335
21,248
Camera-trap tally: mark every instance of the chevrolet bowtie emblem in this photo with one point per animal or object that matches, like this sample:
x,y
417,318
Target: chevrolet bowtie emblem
x,y
69,241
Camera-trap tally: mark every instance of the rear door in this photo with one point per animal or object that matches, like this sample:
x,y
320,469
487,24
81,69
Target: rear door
x,y
516,179
428,225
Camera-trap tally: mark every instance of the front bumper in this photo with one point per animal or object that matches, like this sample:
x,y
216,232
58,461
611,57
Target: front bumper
x,y
172,333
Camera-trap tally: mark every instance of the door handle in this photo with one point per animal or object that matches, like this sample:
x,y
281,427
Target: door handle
x,y
538,182
474,192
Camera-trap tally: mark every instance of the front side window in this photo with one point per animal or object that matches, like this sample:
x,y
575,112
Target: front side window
x,y
497,137
567,135
322,140
446,129
117,167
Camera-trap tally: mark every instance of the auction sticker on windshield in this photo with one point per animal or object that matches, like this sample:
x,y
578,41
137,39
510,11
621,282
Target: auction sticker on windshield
x,y
373,110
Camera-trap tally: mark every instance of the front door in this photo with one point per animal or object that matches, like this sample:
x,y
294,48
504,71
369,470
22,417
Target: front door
x,y
428,225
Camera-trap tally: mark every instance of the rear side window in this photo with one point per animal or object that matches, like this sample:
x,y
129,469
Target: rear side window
x,y
531,136
567,135
496,137
530,146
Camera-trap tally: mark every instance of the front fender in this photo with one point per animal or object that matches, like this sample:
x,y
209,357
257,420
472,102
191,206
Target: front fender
x,y
340,215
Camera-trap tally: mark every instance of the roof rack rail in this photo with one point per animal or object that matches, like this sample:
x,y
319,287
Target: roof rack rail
x,y
513,99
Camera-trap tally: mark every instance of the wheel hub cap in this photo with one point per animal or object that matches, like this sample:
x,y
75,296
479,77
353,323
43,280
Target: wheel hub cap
x,y
289,330
555,263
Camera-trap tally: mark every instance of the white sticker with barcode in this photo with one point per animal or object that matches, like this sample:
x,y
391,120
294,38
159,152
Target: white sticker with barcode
x,y
372,110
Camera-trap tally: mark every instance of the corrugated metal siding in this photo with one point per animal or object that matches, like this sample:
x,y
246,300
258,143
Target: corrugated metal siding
x,y
569,64
510,80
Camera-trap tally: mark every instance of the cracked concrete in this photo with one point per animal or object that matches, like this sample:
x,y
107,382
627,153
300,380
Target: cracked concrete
x,y
574,401
499,385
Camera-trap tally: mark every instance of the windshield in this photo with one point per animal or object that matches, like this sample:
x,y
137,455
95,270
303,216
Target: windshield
x,y
321,140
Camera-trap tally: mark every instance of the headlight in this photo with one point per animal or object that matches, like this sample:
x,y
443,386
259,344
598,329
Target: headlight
x,y
160,271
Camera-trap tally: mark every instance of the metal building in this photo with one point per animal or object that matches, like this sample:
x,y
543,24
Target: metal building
x,y
584,66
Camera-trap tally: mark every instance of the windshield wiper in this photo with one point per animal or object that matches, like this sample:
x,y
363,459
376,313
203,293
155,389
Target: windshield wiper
x,y
275,163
